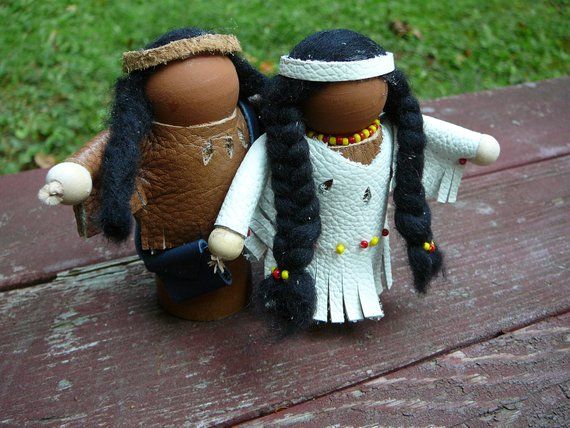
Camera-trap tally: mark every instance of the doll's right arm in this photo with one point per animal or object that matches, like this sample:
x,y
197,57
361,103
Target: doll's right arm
x,y
227,239
71,182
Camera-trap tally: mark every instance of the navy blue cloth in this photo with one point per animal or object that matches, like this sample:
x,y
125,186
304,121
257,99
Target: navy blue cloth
x,y
184,270
251,120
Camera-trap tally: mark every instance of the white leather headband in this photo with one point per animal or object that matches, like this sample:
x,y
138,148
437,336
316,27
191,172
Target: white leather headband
x,y
336,71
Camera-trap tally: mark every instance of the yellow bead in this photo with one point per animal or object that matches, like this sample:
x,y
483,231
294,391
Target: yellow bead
x,y
273,269
374,241
310,134
345,141
285,275
366,133
357,138
320,137
373,128
340,249
427,246
377,121
332,140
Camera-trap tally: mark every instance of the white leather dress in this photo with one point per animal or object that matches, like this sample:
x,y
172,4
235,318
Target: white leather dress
x,y
353,200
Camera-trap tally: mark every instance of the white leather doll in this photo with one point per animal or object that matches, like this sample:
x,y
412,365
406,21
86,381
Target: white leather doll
x,y
311,195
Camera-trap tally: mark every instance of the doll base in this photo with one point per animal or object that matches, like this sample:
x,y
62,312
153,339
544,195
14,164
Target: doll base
x,y
217,304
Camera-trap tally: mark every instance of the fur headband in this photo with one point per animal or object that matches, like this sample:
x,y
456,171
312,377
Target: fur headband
x,y
180,49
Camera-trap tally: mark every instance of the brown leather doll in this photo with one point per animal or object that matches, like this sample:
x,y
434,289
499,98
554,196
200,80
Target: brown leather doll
x,y
180,126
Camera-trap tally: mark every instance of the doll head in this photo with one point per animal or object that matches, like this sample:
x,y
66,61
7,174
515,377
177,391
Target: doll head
x,y
305,79
185,77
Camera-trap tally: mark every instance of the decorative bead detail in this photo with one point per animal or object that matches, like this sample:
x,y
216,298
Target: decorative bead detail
x,y
340,249
385,232
346,139
374,241
277,274
363,244
429,246
462,161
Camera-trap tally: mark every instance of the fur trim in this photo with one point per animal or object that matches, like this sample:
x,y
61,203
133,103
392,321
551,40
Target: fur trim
x,y
180,49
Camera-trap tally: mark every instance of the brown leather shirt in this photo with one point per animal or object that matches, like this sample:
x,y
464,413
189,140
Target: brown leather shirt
x,y
184,175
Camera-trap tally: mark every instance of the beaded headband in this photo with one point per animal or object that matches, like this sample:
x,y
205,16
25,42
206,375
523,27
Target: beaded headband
x,y
180,49
336,71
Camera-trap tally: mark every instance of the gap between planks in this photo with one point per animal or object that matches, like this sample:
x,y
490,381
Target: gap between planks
x,y
419,361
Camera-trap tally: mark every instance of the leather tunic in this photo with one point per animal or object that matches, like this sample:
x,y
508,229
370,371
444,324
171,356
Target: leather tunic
x,y
183,178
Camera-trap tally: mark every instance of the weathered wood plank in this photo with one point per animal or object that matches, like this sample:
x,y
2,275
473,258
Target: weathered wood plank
x,y
38,241
528,120
519,379
93,345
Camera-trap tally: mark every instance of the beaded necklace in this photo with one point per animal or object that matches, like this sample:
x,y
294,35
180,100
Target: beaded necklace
x,y
346,139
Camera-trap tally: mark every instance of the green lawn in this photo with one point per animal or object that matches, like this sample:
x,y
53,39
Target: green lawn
x,y
59,58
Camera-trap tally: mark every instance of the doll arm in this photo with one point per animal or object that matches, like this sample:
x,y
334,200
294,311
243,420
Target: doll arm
x,y
227,239
71,182
448,148
76,182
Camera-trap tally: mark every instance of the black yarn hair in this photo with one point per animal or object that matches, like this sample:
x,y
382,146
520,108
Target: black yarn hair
x,y
291,306
130,121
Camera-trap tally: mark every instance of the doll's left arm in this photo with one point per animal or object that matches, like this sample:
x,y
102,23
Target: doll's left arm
x,y
448,149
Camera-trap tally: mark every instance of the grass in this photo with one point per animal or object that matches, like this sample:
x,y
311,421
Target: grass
x,y
59,58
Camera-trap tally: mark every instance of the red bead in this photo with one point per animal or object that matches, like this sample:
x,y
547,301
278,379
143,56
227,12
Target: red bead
x,y
326,139
351,140
276,274
432,248
362,136
462,161
363,244
385,232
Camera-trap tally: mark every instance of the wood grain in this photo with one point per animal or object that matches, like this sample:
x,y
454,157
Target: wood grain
x,y
93,346
39,241
518,379
527,120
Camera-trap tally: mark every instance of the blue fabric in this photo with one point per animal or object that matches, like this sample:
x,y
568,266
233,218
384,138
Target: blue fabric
x,y
184,270
251,120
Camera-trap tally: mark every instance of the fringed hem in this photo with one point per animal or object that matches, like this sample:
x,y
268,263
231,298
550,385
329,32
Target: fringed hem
x,y
449,185
342,295
441,177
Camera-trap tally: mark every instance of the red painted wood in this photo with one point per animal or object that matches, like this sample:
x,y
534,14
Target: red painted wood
x,y
519,379
528,120
39,241
93,347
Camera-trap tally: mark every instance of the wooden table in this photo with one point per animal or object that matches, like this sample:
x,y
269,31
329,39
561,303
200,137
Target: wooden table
x,y
83,341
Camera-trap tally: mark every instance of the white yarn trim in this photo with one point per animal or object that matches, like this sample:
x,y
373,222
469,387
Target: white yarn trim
x,y
336,71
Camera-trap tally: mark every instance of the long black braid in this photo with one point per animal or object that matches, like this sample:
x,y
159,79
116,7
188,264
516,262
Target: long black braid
x,y
298,219
130,122
412,215
298,224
